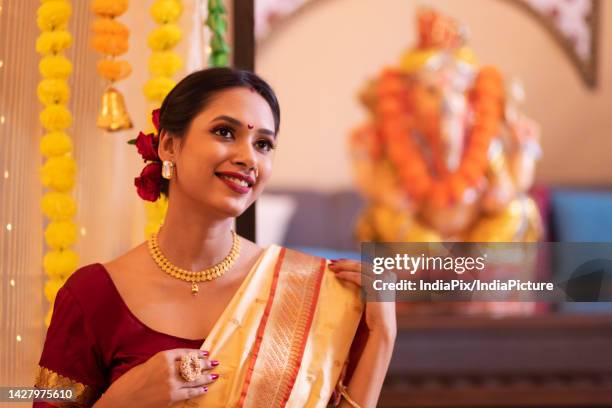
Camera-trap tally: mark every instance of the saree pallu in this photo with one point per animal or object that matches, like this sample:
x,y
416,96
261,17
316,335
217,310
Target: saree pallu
x,y
285,336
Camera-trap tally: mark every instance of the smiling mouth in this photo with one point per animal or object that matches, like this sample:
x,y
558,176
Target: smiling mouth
x,y
236,184
235,180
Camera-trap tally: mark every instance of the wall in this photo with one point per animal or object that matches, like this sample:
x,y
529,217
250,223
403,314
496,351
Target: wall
x,y
318,59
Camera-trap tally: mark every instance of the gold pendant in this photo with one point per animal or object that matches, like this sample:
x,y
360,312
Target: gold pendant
x,y
194,288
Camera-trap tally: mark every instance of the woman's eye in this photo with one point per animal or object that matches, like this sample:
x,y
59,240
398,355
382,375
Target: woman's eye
x,y
264,145
224,132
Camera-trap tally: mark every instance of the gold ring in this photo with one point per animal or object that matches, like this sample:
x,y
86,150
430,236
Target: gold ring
x,y
190,366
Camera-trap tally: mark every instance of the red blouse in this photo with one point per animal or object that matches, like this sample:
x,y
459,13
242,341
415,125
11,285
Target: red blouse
x,y
94,338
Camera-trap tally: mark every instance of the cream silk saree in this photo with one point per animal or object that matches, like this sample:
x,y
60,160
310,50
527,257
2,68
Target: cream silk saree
x,y
285,336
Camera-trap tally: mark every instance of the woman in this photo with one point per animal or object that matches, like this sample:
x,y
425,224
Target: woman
x,y
253,326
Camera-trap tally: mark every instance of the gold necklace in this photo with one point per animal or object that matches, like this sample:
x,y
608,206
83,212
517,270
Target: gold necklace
x,y
207,274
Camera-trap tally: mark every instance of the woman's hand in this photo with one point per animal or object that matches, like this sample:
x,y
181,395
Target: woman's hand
x,y
158,383
379,316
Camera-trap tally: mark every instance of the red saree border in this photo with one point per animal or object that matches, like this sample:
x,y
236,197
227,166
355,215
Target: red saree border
x,y
283,331
261,328
297,357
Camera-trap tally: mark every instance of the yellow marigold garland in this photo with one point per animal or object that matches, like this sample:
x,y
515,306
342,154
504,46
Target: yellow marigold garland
x,y
53,15
156,89
55,144
58,173
55,117
56,263
53,42
58,206
53,91
59,170
55,66
163,65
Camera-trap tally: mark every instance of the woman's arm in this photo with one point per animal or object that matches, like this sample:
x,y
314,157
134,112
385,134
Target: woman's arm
x,y
156,383
367,380
369,375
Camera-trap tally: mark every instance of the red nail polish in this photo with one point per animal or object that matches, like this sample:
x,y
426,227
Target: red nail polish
x,y
214,363
205,389
204,352
214,376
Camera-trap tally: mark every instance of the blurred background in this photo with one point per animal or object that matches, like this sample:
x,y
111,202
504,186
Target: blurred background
x,y
355,80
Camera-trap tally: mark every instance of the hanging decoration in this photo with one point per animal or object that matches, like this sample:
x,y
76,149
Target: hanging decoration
x,y
59,169
110,38
164,63
216,22
574,26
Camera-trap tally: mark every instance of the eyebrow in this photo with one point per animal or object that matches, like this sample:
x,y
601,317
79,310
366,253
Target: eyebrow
x,y
238,123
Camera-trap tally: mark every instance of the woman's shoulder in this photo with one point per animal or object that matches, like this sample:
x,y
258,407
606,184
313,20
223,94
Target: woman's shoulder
x,y
92,285
131,261
90,276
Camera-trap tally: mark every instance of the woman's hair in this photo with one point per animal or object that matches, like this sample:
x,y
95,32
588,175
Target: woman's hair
x,y
194,92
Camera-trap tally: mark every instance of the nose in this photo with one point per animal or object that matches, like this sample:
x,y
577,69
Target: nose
x,y
245,155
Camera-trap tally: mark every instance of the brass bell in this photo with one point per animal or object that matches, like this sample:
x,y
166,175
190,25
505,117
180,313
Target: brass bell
x,y
113,116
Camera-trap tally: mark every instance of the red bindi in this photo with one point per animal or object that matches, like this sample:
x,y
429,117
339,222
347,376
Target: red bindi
x,y
249,126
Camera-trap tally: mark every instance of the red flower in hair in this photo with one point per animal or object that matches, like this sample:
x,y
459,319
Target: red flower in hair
x,y
148,184
147,146
155,119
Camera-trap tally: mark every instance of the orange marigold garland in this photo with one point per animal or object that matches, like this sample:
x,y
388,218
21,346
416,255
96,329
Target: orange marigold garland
x,y
487,100
110,38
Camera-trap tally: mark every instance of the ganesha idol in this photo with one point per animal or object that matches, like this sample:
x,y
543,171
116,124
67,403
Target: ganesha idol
x,y
445,154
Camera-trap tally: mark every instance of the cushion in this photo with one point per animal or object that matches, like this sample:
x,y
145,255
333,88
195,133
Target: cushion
x,y
582,215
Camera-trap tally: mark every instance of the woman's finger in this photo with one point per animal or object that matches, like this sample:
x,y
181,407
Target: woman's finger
x,y
204,362
205,365
202,355
355,266
352,277
345,265
203,379
181,394
176,354
358,278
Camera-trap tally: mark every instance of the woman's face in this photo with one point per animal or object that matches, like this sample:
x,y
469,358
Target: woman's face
x,y
225,158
